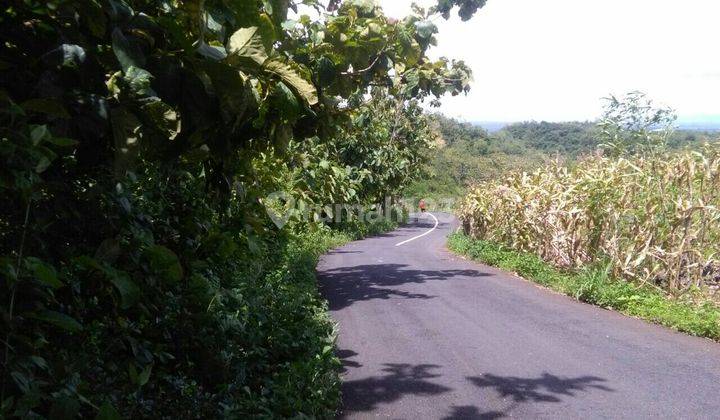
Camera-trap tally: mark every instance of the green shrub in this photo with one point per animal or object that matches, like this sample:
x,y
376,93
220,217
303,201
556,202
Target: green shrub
x,y
140,273
179,315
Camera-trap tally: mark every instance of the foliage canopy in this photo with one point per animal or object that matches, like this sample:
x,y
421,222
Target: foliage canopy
x,y
139,138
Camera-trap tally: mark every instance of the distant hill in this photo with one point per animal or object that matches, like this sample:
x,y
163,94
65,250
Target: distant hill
x,y
710,124
566,138
472,152
699,126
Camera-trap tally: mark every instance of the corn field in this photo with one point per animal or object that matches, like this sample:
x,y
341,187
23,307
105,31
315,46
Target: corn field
x,y
653,218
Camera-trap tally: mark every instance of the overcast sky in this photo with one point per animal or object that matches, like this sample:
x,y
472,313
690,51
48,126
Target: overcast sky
x,y
554,60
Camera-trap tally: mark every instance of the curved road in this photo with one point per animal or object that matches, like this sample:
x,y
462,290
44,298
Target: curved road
x,y
425,334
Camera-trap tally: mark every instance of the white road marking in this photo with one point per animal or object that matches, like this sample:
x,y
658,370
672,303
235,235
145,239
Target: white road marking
x,y
423,234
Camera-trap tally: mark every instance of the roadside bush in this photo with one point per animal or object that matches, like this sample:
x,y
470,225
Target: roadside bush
x,y
181,314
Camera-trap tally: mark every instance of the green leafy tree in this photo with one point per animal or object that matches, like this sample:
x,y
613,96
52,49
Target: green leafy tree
x,y
140,272
467,8
633,124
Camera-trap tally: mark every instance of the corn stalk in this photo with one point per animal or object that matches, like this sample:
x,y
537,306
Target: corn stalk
x,y
654,217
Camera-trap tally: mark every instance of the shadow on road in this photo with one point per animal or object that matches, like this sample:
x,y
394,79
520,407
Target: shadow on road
x,y
426,224
344,286
470,412
546,388
345,356
400,379
412,228
340,251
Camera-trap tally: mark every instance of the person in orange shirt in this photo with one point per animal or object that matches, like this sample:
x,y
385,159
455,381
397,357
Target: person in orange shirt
x,y
422,206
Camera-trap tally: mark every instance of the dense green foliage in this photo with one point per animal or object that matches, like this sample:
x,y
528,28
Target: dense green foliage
x,y
141,275
468,154
567,139
595,285
571,140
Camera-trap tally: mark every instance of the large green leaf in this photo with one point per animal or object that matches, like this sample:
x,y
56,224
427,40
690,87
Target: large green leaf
x,y
267,31
326,71
245,45
235,92
164,262
303,88
107,412
59,320
425,29
129,291
139,80
247,49
43,272
286,103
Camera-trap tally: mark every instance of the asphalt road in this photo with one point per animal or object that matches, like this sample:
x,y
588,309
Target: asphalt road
x,y
425,334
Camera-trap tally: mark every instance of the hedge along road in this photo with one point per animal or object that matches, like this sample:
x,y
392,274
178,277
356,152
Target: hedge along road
x,y
427,334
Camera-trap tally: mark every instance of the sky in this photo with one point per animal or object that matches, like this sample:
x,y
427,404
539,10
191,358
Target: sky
x,y
554,60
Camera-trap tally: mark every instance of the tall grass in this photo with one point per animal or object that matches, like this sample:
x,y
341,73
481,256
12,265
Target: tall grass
x,y
655,218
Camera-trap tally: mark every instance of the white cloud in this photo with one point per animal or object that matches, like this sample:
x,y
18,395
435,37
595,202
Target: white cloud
x,y
556,59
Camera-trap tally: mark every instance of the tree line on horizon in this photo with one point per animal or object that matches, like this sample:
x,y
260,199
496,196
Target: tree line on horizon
x,y
469,153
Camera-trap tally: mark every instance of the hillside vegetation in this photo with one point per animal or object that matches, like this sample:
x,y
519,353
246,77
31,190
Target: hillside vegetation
x,y
146,149
468,154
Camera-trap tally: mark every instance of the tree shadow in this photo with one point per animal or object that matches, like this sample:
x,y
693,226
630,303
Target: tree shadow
x,y
546,388
399,380
342,251
345,356
344,286
427,224
470,412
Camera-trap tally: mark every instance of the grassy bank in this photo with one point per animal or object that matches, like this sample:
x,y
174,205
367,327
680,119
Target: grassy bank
x,y
596,286
295,347
234,333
